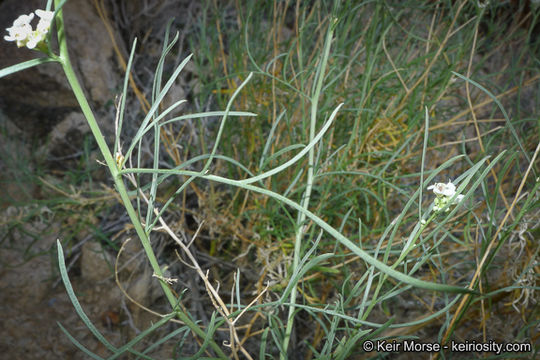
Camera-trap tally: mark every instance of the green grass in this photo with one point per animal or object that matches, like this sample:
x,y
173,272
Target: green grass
x,y
369,164
329,251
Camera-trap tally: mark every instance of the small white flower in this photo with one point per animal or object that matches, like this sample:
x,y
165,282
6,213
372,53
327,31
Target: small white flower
x,y
19,34
35,38
442,189
23,20
22,31
445,192
45,15
458,199
43,27
45,18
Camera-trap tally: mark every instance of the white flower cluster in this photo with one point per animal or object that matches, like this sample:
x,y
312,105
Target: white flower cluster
x,y
23,33
444,193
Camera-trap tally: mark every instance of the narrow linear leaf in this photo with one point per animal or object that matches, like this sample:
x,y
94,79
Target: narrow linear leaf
x,y
75,301
24,65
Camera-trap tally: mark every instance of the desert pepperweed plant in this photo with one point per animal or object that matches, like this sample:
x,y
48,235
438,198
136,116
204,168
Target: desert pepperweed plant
x,y
344,229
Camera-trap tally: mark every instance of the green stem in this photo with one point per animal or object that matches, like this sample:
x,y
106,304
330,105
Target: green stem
x,y
309,182
118,180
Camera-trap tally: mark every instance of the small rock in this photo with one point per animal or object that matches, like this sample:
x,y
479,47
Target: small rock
x,y
96,264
